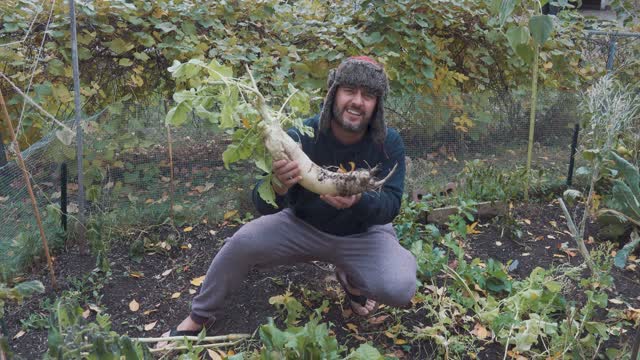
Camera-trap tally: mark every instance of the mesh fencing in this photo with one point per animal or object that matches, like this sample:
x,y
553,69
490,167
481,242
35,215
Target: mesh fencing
x,y
127,164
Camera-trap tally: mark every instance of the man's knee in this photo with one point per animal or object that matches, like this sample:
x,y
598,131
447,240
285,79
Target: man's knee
x,y
397,290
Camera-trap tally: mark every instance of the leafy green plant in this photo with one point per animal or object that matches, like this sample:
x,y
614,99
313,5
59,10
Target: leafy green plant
x,y
483,181
610,108
72,337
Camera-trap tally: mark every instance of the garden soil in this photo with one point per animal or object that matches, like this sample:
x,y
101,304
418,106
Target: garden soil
x,y
161,283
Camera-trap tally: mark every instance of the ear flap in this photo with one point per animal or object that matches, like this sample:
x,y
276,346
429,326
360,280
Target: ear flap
x,y
327,106
378,127
331,78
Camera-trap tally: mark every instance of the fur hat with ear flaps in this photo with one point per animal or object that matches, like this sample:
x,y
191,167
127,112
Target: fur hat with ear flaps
x,y
359,71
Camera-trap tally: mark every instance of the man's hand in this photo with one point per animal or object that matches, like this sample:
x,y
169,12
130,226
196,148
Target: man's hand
x,y
288,173
341,202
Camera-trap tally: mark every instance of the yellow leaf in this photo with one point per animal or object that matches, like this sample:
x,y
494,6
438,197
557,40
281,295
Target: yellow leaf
x,y
214,355
548,65
136,274
229,214
175,295
197,281
149,201
389,335
342,170
246,124
150,326
188,228
480,331
352,327
147,312
134,306
471,228
400,342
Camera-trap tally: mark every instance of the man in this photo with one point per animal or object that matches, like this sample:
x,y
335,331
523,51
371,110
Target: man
x,y
352,232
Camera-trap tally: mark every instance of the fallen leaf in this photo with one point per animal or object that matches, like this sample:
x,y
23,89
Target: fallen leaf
x,y
19,334
149,201
185,247
175,295
229,214
554,224
204,188
86,314
212,232
192,291
95,308
551,237
525,254
197,281
72,208
400,341
136,274
188,228
389,335
134,306
353,327
631,267
150,326
214,355
167,272
498,243
471,228
377,320
361,338
558,256
616,301
480,331
147,312
527,221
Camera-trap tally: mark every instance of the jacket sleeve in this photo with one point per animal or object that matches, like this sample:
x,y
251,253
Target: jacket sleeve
x,y
381,207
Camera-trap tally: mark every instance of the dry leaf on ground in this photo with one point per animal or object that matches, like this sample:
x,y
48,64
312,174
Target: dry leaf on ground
x,y
150,326
198,281
134,306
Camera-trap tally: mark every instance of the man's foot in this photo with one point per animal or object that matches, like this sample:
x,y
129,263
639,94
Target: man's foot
x,y
187,327
358,302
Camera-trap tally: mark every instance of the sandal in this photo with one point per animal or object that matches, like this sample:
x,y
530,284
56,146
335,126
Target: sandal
x,y
358,299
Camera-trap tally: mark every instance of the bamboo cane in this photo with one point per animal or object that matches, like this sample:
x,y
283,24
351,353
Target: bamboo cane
x,y
27,181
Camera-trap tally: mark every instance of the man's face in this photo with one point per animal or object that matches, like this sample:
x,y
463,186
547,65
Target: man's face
x,y
353,108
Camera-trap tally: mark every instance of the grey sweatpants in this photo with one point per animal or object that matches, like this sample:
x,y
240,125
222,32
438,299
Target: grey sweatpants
x,y
374,261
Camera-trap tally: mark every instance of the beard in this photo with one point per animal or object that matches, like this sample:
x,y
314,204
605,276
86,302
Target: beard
x,y
349,126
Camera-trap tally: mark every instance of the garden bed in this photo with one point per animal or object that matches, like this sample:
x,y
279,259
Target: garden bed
x,y
155,280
